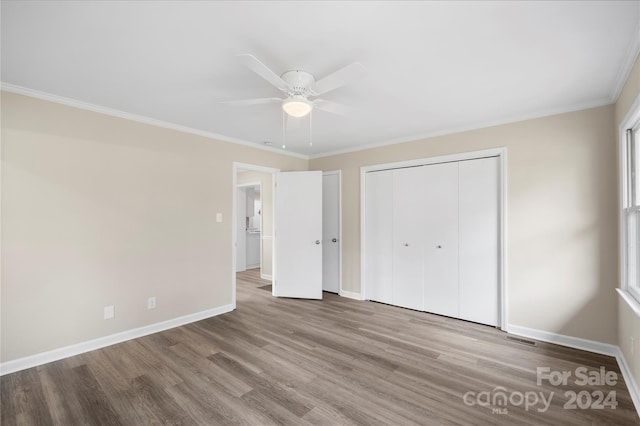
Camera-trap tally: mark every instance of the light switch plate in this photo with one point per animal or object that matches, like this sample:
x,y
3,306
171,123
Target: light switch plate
x,y
219,217
109,312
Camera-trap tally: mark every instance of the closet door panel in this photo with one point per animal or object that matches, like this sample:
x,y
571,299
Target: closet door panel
x,y
479,240
440,218
379,236
408,212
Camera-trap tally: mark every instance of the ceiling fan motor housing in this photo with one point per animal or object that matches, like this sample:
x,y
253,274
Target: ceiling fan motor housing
x,y
299,81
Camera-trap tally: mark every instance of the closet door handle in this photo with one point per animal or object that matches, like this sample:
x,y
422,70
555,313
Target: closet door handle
x,y
317,241
334,240
406,244
438,246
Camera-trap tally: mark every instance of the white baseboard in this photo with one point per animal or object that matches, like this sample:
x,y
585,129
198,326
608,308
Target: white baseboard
x,y
632,385
266,277
350,294
561,339
587,345
101,342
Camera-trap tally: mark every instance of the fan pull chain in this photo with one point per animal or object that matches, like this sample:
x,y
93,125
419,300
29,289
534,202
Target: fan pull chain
x,y
311,128
283,129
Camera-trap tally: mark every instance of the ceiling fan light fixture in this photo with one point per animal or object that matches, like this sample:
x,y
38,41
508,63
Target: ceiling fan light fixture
x,y
297,106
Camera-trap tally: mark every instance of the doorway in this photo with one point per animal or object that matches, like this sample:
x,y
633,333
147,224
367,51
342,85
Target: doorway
x,y
331,232
249,176
249,224
262,179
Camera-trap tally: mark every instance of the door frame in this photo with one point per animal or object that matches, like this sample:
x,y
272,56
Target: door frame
x,y
235,168
339,173
501,153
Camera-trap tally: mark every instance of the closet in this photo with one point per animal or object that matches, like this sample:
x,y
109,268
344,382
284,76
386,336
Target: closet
x,y
431,238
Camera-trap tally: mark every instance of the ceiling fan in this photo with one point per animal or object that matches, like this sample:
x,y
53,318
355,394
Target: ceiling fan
x,y
299,86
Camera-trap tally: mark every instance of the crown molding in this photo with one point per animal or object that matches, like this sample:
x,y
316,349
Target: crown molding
x,y
633,51
12,88
460,129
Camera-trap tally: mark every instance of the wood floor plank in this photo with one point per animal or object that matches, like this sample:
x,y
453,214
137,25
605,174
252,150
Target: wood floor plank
x,y
202,408
154,406
8,390
28,400
336,361
275,392
208,403
261,401
57,379
96,406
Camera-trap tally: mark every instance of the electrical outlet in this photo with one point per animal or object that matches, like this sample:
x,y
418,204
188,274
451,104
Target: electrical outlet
x,y
109,312
151,302
219,217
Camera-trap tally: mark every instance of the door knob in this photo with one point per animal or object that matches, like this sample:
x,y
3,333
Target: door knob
x,y
334,240
406,244
317,241
439,247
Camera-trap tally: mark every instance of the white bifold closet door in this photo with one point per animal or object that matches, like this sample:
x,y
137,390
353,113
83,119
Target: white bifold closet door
x,y
408,239
431,238
379,236
440,217
478,223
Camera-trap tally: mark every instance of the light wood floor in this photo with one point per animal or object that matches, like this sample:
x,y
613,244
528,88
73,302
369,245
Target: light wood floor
x,y
330,362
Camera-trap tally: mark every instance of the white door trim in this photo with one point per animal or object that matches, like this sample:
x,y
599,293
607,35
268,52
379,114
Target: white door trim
x,y
501,153
339,173
235,168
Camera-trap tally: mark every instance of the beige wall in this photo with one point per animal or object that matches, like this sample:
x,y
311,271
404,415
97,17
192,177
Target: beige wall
x,y
562,216
267,215
98,210
628,321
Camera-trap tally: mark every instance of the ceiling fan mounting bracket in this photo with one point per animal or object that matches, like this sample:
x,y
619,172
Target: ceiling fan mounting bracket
x,y
300,82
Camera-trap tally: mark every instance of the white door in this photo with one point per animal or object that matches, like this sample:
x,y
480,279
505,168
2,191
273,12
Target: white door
x,y
241,231
408,241
440,216
297,204
331,232
479,240
379,236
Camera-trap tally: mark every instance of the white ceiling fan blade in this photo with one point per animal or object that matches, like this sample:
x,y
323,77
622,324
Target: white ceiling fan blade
x,y
263,71
332,107
257,101
338,78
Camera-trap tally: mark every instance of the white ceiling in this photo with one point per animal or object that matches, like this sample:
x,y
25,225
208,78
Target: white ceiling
x,y
432,67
